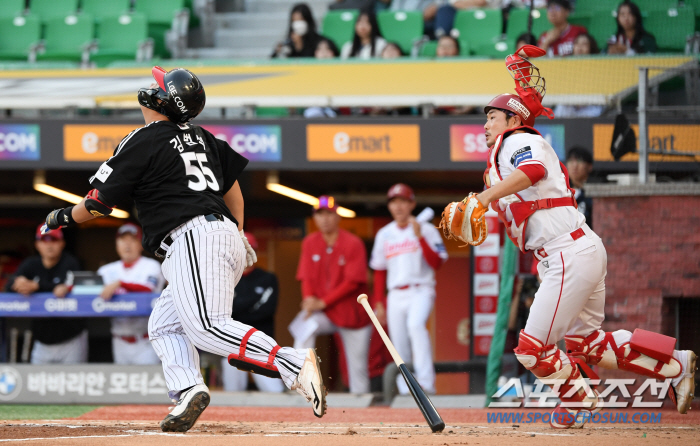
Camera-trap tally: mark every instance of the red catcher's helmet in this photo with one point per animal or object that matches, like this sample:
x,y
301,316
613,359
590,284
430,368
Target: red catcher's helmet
x,y
513,103
400,190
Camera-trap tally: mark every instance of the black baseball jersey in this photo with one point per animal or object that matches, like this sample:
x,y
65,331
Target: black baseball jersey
x,y
173,173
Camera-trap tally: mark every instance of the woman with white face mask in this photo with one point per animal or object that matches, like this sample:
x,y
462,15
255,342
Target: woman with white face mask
x,y
302,37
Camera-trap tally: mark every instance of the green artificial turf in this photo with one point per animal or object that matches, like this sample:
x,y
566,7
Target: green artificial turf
x,y
41,412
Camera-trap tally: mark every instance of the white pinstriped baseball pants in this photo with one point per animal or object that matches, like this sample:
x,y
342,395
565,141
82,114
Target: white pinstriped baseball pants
x,y
202,267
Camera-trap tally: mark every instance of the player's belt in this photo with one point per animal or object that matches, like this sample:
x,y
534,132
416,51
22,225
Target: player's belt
x,y
167,241
133,339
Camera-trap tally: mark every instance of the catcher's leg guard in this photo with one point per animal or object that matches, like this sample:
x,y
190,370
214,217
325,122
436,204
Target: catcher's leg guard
x,y
239,361
649,356
645,353
547,362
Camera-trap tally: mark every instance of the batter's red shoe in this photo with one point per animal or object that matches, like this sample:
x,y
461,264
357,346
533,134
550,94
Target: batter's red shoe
x,y
309,383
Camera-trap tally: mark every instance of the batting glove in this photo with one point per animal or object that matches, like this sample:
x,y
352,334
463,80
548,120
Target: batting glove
x,y
250,256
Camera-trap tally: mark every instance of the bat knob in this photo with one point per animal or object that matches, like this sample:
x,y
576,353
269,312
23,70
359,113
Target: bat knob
x,y
361,297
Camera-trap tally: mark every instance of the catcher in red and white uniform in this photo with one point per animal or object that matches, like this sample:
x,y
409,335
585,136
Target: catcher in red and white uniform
x,y
529,188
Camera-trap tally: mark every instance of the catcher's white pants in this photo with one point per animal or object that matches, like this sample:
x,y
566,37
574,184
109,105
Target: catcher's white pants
x,y
408,311
355,344
72,351
202,267
237,380
571,297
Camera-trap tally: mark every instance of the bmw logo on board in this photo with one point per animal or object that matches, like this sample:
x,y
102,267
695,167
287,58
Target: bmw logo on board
x,y
10,383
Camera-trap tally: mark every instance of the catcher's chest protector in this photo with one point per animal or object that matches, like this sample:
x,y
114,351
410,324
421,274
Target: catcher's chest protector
x,y
520,210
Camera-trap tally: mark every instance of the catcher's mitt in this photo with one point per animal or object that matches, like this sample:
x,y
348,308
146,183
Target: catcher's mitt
x,y
465,221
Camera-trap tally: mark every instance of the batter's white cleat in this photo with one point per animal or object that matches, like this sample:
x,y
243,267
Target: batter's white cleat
x,y
189,407
685,389
309,383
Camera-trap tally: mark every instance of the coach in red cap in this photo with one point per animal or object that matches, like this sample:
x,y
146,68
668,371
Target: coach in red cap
x,y
333,272
405,256
56,340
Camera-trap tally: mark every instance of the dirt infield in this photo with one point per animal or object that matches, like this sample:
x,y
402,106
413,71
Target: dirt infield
x,y
138,425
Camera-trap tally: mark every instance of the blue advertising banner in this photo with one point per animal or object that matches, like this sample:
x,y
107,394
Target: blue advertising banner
x,y
19,142
554,134
48,305
258,143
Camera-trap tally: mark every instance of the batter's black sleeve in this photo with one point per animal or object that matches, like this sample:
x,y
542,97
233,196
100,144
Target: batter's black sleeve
x,y
118,176
232,164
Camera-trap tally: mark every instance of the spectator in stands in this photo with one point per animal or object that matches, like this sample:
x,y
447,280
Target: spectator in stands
x,y
445,14
326,49
447,46
132,273
392,51
367,43
584,45
525,39
579,163
559,41
631,37
302,37
333,272
56,340
427,7
255,304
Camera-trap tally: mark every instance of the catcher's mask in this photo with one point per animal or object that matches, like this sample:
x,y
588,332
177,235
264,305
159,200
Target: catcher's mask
x,y
179,96
512,103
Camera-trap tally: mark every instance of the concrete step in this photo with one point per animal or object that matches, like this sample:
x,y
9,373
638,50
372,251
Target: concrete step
x,y
251,20
229,53
318,7
244,38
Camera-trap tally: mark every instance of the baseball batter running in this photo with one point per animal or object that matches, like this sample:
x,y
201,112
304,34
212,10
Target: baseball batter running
x,y
184,185
529,189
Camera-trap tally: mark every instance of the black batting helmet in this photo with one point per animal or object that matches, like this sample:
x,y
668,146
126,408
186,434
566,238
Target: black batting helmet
x,y
180,95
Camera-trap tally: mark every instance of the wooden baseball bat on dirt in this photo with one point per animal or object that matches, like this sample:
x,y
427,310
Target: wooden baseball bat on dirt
x,y
432,417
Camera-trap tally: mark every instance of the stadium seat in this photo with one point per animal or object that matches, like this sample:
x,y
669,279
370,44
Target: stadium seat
x,y
11,8
591,7
518,19
580,20
401,27
18,36
339,25
99,9
671,27
695,4
159,15
495,50
68,38
655,5
121,37
53,9
602,26
478,26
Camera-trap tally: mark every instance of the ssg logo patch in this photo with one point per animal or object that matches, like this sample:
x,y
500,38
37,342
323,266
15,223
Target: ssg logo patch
x,y
521,155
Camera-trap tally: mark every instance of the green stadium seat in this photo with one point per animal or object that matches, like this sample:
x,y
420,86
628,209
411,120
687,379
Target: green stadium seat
x,y
671,27
68,38
159,15
602,26
478,26
591,7
695,4
99,9
401,27
580,20
518,19
655,5
11,8
496,50
18,35
53,9
120,38
339,25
